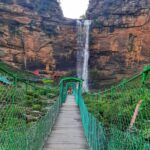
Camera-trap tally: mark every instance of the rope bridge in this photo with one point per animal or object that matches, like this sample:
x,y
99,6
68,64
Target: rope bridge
x,y
115,119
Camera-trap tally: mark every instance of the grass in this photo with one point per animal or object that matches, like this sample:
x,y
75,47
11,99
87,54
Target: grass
x,y
22,102
115,108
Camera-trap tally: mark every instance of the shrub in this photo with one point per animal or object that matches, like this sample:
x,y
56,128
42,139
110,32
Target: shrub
x,y
37,107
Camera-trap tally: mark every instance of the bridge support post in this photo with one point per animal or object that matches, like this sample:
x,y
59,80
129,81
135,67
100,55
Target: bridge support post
x,y
145,74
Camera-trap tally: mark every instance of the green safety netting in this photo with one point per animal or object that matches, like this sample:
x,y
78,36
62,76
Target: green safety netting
x,y
70,82
119,118
116,119
27,112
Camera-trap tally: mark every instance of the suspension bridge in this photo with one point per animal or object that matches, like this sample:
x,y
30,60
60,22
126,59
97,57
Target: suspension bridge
x,y
32,118
67,133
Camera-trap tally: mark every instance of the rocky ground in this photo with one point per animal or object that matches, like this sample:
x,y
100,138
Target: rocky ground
x,y
119,39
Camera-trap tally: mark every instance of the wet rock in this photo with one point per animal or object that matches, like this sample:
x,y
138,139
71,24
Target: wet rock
x,y
32,34
30,118
36,113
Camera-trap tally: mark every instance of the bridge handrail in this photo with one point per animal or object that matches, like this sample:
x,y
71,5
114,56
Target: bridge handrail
x,y
16,101
127,106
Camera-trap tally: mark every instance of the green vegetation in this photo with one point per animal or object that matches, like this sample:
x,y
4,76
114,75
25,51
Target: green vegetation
x,y
16,72
23,102
19,104
123,112
115,119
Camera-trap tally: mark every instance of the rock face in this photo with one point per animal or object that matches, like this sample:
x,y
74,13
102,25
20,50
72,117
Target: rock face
x,y
120,35
35,35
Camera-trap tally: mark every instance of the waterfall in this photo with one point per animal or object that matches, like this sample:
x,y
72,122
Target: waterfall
x,y
83,28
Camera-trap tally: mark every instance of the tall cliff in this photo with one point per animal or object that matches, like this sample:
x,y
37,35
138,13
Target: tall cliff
x,y
35,35
120,37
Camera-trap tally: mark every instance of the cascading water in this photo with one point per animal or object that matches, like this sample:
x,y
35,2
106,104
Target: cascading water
x,y
83,28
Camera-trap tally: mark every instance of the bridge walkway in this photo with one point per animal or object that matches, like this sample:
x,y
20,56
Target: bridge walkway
x,y
67,133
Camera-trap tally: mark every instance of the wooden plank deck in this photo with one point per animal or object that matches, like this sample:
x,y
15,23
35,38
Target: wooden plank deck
x,y
67,133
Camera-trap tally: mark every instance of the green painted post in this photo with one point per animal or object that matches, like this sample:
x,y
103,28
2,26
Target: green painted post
x,y
13,108
61,93
26,86
60,89
99,95
112,91
145,74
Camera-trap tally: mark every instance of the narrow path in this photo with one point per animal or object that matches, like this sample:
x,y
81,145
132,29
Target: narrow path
x,y
67,133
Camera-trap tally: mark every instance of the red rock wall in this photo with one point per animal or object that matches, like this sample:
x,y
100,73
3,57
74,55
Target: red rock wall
x,y
35,37
120,37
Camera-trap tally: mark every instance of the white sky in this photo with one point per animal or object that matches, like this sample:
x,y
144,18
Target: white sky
x,y
74,8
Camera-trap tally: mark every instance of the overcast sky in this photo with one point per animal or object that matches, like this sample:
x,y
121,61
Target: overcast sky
x,y
74,8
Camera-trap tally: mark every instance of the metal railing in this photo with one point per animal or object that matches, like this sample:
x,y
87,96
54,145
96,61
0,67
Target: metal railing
x,y
27,113
119,118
